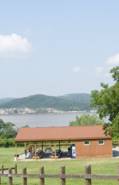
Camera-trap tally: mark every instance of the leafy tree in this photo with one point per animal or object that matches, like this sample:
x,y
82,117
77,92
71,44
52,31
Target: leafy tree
x,y
7,133
7,130
106,101
86,120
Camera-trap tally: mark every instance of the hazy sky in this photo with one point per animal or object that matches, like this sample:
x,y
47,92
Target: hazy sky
x,y
57,47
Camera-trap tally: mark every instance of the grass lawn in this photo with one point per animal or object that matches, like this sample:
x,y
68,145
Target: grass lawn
x,y
99,166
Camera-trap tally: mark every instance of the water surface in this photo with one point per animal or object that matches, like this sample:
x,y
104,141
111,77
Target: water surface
x,y
41,120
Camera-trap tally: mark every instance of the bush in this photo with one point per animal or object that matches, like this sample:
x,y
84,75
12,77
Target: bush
x,y
4,142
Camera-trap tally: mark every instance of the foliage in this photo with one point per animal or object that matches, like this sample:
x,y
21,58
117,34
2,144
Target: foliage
x,y
4,142
7,130
115,127
106,101
7,133
25,126
87,120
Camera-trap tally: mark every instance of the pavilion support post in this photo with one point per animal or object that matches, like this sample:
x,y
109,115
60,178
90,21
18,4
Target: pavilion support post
x,y
35,147
25,149
25,146
59,145
55,147
42,145
15,148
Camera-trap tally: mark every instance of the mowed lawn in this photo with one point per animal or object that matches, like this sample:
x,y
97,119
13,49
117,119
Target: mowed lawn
x,y
99,166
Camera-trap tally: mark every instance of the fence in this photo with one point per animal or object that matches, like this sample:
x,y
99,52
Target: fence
x,y
88,176
4,170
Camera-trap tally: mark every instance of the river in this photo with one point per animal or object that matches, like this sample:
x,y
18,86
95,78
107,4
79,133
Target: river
x,y
41,120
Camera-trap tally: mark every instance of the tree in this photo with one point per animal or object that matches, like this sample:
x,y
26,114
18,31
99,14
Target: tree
x,y
86,120
7,130
106,101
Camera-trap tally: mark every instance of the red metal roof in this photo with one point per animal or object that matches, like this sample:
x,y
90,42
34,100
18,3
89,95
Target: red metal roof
x,y
61,133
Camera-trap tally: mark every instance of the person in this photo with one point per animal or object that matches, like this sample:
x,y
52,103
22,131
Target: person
x,y
25,152
29,155
73,151
16,157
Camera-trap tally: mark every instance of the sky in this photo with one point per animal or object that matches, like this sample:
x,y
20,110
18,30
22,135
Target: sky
x,y
57,47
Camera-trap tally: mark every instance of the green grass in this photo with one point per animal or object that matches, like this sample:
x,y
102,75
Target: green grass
x,y
99,166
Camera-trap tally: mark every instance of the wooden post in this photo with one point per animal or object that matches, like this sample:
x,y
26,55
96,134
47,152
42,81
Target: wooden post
x,y
2,169
63,178
15,169
10,178
16,149
35,148
25,146
24,176
42,145
0,180
88,175
42,174
59,145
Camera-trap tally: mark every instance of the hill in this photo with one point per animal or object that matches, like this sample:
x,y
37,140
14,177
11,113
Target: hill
x,y
5,100
82,100
68,102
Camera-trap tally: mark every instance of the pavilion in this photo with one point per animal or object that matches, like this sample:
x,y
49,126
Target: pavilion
x,y
84,141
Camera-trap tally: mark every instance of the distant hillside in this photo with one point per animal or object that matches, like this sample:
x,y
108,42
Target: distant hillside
x,y
82,99
5,100
68,102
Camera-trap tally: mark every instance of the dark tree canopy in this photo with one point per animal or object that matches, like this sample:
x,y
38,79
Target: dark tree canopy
x,y
106,101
